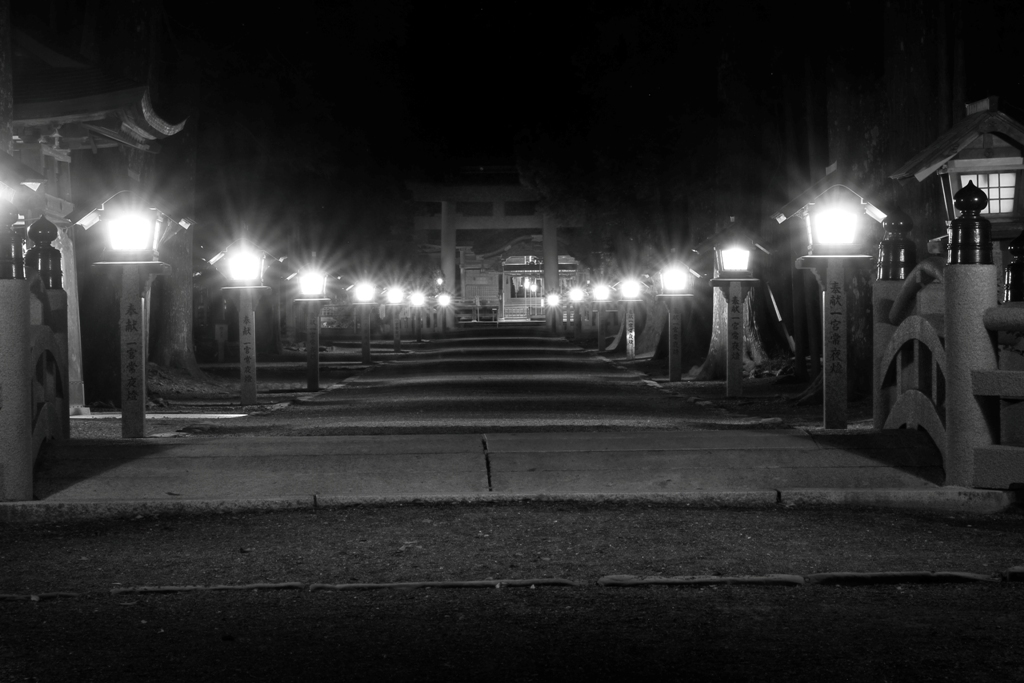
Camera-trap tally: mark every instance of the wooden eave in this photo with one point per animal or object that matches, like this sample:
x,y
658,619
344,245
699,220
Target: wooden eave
x,y
956,139
836,179
52,89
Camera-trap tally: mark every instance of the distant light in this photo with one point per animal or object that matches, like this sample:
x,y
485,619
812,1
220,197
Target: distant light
x,y
533,286
444,299
440,281
576,295
602,292
130,232
675,280
417,298
245,266
365,292
554,300
630,289
395,295
312,284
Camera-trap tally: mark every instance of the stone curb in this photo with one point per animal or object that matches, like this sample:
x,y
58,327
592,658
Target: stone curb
x,y
627,580
881,578
696,498
410,585
1014,574
46,511
945,499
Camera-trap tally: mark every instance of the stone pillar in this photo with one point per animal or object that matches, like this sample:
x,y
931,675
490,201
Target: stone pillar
x,y
76,385
313,345
364,332
448,253
675,337
734,340
247,345
970,290
133,353
15,393
551,267
396,330
834,325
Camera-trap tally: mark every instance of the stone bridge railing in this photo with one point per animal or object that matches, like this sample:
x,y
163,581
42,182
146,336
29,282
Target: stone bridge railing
x,y
947,361
33,355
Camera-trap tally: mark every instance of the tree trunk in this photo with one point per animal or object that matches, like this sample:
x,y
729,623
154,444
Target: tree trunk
x,y
753,350
172,310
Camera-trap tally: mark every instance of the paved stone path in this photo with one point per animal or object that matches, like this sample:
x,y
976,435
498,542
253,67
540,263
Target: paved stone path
x,y
483,415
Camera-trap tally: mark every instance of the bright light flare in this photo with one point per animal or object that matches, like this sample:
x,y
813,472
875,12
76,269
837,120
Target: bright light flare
x,y
554,300
835,226
675,280
365,291
312,284
417,298
602,292
130,232
245,266
630,289
576,295
444,300
395,295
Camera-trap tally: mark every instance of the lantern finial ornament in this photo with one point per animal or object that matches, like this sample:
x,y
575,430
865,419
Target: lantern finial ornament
x,y
897,253
970,235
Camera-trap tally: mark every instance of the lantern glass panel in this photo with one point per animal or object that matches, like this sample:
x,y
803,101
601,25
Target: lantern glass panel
x,y
602,292
417,299
444,299
554,300
244,266
311,284
735,259
675,280
395,295
130,232
576,295
835,226
630,289
364,292
1000,188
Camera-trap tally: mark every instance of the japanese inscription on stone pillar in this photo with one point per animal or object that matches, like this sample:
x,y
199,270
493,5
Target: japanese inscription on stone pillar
x,y
834,354
734,341
247,347
133,355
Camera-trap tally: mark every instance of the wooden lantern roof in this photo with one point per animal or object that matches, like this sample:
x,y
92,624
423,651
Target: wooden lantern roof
x,y
983,118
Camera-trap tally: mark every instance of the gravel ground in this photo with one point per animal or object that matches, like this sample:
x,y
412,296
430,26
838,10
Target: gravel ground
x,y
807,633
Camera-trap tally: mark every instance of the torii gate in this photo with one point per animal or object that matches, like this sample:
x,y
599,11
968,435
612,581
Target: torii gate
x,y
487,207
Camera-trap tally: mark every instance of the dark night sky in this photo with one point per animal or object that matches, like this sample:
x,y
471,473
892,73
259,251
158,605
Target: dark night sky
x,y
460,79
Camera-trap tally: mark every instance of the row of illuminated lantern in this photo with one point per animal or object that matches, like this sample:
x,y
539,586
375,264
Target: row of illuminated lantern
x,y
135,234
